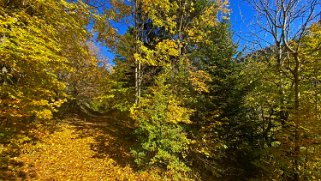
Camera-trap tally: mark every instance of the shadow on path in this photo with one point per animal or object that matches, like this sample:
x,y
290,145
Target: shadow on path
x,y
14,135
113,136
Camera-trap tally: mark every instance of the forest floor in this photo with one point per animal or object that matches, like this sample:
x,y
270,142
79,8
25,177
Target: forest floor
x,y
75,148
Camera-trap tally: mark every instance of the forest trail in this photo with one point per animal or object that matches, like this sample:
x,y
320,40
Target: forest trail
x,y
77,149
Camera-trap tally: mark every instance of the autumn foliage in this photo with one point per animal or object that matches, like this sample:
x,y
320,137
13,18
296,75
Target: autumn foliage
x,y
178,101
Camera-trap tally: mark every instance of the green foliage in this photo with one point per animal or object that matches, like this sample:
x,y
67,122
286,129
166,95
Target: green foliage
x,y
194,104
287,135
160,120
179,29
222,130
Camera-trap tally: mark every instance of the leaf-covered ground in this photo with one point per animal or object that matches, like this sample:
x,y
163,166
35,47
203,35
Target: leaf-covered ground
x,y
72,149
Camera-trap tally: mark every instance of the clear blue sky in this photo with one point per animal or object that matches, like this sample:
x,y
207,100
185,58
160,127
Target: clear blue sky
x,y
246,29
242,18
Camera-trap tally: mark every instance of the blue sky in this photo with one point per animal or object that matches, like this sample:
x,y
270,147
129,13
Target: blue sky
x,y
247,31
241,16
243,26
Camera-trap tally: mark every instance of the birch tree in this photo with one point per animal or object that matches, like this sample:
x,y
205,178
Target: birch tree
x,y
287,23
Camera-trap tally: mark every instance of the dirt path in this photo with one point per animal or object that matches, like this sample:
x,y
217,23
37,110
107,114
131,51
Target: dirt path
x,y
79,149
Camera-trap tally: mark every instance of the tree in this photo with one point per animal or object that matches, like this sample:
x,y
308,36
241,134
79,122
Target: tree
x,y
287,23
217,107
33,57
177,28
163,141
90,77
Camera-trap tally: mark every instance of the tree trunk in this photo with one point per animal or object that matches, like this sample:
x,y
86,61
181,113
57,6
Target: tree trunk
x,y
137,62
296,119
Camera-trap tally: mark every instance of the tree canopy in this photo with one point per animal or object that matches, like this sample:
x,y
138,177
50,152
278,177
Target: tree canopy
x,y
200,109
